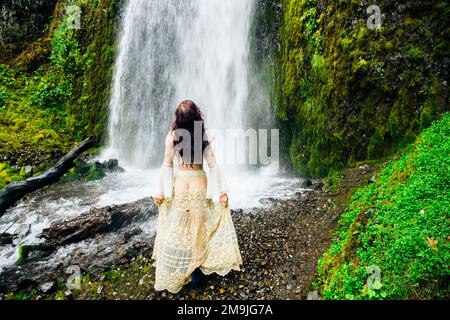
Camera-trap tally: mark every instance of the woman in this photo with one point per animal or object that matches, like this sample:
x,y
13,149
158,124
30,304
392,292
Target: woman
x,y
195,228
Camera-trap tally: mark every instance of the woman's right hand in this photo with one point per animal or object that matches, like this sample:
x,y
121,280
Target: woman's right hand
x,y
224,200
158,199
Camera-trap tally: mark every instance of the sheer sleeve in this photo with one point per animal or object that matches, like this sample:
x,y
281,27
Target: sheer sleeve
x,y
166,174
217,184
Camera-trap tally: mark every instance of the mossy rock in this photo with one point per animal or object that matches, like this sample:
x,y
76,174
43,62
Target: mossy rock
x,y
96,172
346,93
397,225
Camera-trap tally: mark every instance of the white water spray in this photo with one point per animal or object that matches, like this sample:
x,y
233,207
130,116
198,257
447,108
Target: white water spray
x,y
171,50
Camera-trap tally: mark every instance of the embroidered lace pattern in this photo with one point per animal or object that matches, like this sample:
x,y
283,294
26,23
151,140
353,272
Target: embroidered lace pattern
x,y
193,231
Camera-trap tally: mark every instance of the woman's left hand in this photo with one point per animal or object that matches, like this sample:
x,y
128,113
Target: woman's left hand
x,y
224,200
158,200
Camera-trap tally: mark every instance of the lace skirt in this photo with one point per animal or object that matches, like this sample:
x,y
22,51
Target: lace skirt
x,y
193,231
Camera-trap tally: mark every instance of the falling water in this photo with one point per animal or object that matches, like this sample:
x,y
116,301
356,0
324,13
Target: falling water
x,y
171,50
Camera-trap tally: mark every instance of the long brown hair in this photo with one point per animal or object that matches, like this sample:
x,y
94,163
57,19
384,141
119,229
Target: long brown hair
x,y
186,115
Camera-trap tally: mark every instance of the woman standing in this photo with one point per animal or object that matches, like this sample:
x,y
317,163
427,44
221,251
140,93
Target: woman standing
x,y
195,228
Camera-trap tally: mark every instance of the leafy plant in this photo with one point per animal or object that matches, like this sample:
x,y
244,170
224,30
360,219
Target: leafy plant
x,y
399,224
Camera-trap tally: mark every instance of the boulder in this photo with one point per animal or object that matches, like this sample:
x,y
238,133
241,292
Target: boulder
x,y
6,238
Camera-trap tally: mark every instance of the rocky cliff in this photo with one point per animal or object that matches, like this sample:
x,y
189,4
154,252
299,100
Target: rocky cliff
x,y
347,91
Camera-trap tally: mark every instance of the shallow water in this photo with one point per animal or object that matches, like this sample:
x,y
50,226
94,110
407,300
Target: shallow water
x,y
64,200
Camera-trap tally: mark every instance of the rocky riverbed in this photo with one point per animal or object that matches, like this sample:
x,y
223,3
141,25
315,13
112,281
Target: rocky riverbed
x,y
280,244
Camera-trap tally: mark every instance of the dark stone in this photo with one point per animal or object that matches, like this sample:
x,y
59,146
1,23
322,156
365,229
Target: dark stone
x,y
112,164
78,228
96,172
98,221
318,185
132,232
21,23
25,284
307,183
47,287
92,171
37,250
268,201
6,238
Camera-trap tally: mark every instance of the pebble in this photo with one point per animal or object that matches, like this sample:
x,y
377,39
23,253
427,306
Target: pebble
x,y
100,289
47,287
290,234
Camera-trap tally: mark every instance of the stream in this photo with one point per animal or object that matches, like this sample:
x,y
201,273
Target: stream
x,y
168,51
38,211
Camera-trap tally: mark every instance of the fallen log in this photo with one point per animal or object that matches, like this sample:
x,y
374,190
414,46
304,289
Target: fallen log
x,y
114,234
11,194
98,221
92,224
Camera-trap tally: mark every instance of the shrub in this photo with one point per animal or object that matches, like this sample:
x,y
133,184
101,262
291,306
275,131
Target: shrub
x,y
399,224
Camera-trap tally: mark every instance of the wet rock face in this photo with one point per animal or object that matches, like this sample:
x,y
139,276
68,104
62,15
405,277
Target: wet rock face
x,y
21,23
6,238
91,171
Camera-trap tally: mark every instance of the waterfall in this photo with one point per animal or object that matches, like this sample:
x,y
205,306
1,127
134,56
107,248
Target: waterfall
x,y
169,51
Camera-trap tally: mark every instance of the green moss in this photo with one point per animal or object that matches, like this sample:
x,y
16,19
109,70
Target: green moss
x,y
319,67
8,175
134,280
46,109
398,224
331,182
95,173
415,54
349,93
24,252
376,145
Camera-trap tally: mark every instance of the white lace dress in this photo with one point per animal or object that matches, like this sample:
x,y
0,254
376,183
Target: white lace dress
x,y
194,229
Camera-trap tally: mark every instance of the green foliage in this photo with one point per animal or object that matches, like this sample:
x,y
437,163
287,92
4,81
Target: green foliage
x,y
415,54
51,92
400,224
95,173
3,97
24,252
54,90
65,51
45,109
332,180
8,175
